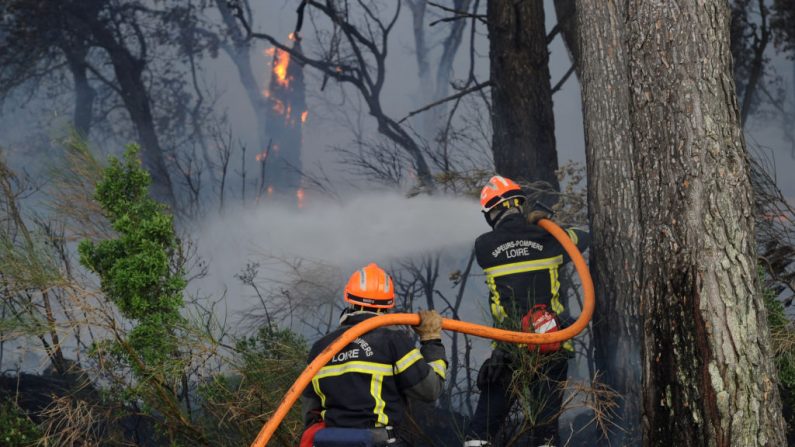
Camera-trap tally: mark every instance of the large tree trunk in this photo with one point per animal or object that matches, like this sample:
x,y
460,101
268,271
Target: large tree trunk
x,y
672,213
523,122
708,375
613,205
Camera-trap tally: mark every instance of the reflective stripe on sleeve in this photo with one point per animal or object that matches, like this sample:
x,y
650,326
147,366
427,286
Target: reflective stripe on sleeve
x,y
407,360
440,367
573,236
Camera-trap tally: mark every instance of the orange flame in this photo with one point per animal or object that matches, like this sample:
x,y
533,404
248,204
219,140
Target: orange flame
x,y
270,191
262,155
266,93
291,36
299,194
280,67
278,106
304,115
270,51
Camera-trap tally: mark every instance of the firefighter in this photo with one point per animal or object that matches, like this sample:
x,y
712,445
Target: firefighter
x,y
521,262
360,394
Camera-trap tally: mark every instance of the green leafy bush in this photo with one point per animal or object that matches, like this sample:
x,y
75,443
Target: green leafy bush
x,y
135,268
16,429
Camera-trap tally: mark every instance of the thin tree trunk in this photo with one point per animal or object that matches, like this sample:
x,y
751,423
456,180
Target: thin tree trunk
x,y
708,374
566,12
84,93
240,52
129,75
614,207
426,90
450,47
523,141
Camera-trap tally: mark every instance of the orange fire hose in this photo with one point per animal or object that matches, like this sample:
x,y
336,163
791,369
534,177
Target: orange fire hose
x,y
452,325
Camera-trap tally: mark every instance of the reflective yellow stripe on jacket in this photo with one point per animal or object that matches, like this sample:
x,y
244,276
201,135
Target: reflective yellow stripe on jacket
x,y
551,264
377,371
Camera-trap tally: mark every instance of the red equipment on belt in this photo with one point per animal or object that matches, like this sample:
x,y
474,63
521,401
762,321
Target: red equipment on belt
x,y
308,438
543,321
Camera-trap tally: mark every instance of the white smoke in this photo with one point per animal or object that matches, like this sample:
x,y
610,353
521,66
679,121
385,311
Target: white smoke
x,y
368,228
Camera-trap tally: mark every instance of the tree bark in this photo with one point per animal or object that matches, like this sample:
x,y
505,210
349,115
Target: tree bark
x,y
708,375
523,141
613,205
672,214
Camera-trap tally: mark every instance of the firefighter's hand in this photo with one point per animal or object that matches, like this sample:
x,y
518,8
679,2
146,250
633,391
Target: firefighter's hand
x,y
430,327
493,369
537,215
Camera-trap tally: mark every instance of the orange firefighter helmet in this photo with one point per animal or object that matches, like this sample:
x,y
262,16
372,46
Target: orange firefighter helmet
x,y
500,190
370,286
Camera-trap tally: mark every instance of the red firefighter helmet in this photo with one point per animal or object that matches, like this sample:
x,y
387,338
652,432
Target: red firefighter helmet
x,y
370,286
500,190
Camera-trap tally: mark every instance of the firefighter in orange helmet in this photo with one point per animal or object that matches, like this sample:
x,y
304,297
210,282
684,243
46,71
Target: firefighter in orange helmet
x,y
521,262
360,395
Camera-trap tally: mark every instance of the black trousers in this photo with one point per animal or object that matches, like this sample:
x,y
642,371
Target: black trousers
x,y
546,398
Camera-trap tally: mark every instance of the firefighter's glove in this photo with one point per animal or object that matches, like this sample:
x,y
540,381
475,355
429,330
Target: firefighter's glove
x,y
430,327
493,369
534,216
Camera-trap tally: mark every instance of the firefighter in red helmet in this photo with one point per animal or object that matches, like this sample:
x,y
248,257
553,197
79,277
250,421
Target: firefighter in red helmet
x,y
360,394
521,262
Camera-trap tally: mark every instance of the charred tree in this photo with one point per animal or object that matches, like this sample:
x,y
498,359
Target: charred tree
x,y
84,92
434,89
238,47
357,57
566,11
33,34
523,141
613,205
129,71
286,114
708,377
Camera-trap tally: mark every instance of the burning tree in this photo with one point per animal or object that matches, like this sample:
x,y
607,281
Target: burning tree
x,y
281,160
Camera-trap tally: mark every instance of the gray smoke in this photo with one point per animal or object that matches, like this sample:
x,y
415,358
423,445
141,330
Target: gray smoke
x,y
379,228
370,227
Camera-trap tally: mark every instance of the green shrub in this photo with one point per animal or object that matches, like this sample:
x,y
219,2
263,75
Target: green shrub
x,y
136,269
16,429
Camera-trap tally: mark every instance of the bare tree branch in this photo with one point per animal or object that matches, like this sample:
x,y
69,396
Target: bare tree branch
x,y
460,94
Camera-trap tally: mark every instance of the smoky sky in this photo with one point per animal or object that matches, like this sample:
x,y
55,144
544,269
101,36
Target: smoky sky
x,y
28,125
